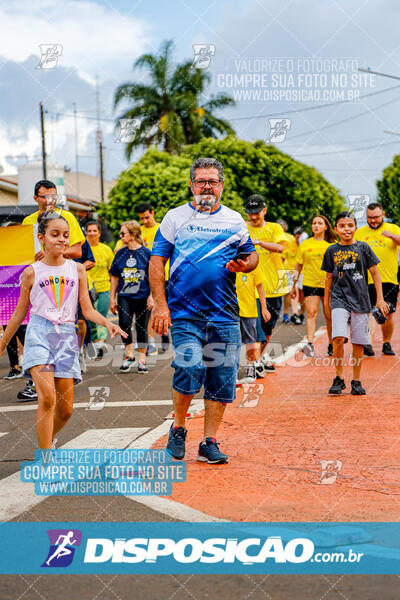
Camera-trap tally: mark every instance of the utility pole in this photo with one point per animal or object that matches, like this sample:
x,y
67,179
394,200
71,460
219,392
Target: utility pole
x,y
44,166
76,151
99,141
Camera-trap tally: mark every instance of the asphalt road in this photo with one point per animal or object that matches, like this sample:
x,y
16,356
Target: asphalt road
x,y
19,440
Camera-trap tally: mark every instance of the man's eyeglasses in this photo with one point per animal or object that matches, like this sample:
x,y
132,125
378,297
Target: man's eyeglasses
x,y
203,182
52,197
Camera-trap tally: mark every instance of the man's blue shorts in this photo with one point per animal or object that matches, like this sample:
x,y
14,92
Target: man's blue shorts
x,y
207,354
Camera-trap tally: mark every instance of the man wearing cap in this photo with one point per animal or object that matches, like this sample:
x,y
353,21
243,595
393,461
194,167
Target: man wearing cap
x,y
204,241
269,240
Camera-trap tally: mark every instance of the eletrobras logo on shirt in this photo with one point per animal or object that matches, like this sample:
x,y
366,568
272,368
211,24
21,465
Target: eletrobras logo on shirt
x,y
193,228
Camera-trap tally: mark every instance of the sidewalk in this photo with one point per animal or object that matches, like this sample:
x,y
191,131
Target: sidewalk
x,y
276,444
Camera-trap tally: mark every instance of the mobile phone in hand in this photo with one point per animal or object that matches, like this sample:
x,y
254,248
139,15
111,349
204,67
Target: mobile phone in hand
x,y
241,256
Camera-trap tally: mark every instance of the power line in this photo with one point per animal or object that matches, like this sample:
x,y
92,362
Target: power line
x,y
288,112
344,120
350,150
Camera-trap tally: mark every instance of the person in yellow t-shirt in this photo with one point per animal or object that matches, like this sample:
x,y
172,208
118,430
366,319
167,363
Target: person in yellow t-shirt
x,y
45,195
99,278
309,260
246,286
269,240
289,265
148,230
384,239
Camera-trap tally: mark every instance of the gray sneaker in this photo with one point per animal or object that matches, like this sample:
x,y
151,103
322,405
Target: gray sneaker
x,y
127,364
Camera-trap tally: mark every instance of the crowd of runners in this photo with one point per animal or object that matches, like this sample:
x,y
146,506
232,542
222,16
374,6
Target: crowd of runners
x,y
208,278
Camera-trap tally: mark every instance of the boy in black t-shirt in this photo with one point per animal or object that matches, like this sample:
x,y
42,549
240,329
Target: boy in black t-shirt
x,y
346,297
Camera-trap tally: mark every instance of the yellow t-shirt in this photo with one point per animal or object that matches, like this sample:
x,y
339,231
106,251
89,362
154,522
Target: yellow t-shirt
x,y
310,254
148,234
270,263
246,292
385,249
289,253
118,246
75,232
99,274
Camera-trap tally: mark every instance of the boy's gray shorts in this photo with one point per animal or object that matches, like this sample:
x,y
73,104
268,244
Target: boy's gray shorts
x,y
342,319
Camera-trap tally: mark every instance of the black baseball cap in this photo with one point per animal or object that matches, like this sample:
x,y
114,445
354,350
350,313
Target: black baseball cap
x,y
254,204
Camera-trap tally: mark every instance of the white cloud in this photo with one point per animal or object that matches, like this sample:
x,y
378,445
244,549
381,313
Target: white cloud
x,y
95,39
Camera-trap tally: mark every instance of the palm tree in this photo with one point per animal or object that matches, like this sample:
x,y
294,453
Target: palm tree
x,y
168,108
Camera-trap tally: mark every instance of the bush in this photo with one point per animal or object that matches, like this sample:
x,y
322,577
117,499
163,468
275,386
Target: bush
x,y
293,191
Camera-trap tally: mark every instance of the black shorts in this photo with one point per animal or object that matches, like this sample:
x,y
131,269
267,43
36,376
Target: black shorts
x,y
274,306
390,291
248,330
313,291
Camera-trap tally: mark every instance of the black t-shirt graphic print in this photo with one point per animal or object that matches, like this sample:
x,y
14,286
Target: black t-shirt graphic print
x,y
349,266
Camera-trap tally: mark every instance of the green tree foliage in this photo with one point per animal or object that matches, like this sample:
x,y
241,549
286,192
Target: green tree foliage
x,y
293,191
169,107
389,190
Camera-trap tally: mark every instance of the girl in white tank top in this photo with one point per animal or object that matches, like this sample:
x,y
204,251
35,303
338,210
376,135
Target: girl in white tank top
x,y
53,286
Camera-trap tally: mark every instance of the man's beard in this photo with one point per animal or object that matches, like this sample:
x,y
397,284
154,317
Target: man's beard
x,y
208,200
373,226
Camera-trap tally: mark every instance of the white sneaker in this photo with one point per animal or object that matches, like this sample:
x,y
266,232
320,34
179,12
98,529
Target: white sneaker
x,y
54,444
260,370
266,361
251,374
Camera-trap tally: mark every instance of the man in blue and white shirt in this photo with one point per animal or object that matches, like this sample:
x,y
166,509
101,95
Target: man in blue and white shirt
x,y
201,239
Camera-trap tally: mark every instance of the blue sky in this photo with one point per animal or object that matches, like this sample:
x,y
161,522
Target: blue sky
x,y
346,141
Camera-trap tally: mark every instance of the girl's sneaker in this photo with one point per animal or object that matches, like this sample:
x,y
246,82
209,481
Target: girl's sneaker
x,y
142,368
127,364
308,350
286,318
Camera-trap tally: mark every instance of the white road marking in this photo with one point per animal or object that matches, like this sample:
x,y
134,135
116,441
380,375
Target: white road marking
x,y
294,348
17,497
106,438
5,433
133,403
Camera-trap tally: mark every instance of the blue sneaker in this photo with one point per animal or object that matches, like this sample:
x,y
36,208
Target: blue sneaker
x,y
210,452
176,442
286,318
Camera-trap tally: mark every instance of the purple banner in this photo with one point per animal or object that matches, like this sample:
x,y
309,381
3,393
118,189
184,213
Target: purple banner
x,y
9,291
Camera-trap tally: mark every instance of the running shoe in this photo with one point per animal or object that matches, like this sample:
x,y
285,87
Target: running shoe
x,y
91,352
267,362
337,386
301,318
356,388
285,319
142,367
260,370
209,452
127,364
368,350
13,374
176,442
54,444
151,350
28,393
295,319
251,374
100,349
330,350
387,349
308,350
